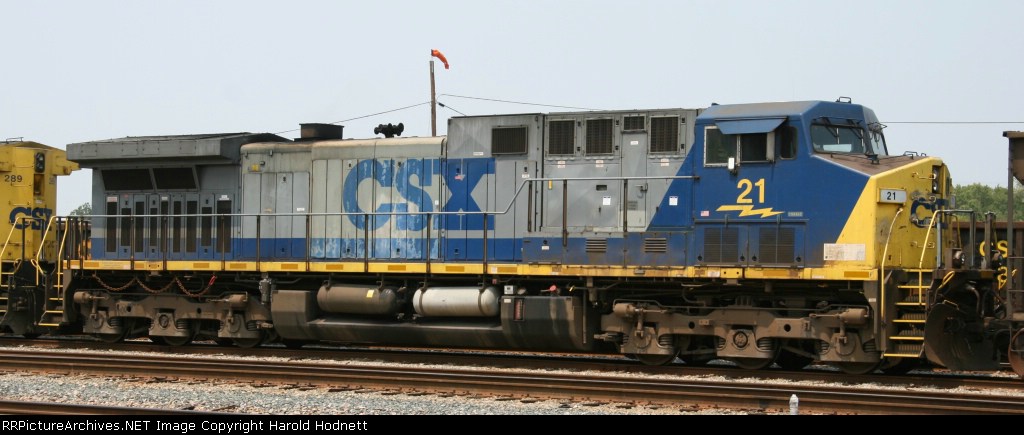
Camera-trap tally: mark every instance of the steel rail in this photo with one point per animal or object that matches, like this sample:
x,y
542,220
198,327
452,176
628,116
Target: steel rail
x,y
51,408
723,394
611,363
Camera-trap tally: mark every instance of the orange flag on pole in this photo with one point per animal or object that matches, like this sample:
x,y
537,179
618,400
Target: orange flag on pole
x,y
437,54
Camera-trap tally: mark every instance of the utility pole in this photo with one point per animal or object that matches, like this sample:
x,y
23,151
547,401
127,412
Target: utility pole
x,y
433,94
433,102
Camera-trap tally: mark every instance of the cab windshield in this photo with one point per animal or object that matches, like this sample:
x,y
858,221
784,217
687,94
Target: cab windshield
x,y
847,140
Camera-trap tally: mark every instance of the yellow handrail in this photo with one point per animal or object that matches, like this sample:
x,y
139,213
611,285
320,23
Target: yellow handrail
x,y
42,245
46,232
39,253
4,249
885,254
60,260
928,235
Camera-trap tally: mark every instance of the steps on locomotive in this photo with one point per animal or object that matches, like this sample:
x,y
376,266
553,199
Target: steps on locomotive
x,y
6,273
913,293
53,303
911,305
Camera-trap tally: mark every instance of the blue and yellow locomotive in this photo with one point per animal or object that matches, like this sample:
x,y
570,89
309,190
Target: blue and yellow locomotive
x,y
758,233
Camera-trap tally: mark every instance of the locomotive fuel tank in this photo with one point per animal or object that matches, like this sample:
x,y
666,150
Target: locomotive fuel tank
x,y
352,299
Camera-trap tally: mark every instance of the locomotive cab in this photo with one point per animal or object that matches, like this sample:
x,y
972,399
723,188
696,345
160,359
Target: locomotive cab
x,y
800,216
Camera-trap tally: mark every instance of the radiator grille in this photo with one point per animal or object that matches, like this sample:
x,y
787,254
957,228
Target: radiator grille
x,y
777,245
599,136
633,122
508,140
656,245
597,245
665,134
721,245
561,137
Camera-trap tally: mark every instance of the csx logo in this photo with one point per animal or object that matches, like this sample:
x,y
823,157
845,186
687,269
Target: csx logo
x,y
409,179
39,216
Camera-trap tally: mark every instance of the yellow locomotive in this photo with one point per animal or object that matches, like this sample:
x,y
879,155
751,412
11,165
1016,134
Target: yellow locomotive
x,y
28,199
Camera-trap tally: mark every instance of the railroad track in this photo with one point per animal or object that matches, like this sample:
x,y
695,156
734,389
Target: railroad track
x,y
542,361
50,408
532,384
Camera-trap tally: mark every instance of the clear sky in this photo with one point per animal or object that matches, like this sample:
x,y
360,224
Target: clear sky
x,y
75,71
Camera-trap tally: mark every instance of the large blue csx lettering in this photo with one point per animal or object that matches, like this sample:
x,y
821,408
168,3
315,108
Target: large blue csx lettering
x,y
409,180
379,170
39,216
462,177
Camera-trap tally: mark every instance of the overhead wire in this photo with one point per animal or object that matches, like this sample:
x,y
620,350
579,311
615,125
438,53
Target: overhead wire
x,y
559,106
449,107
365,116
516,102
953,122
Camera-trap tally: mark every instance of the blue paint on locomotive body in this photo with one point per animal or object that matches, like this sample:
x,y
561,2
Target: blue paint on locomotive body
x,y
812,197
803,199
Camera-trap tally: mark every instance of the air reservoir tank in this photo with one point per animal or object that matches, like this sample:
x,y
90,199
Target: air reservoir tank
x,y
457,301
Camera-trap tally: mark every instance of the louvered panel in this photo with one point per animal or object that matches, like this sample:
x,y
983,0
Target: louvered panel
x,y
713,245
656,245
597,245
599,136
730,245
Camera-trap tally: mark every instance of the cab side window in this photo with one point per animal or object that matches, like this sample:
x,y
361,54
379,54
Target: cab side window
x,y
749,147
719,147
785,140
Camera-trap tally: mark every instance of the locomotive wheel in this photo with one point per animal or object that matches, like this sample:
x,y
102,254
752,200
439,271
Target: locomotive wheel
x,y
178,341
1015,353
250,342
112,338
655,360
181,341
857,368
753,363
793,361
899,366
126,330
158,340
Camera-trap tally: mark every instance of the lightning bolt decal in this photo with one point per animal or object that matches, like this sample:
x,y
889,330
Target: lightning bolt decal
x,y
749,210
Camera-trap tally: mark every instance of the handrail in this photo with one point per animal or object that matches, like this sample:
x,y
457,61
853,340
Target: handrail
x,y
42,244
25,221
366,218
938,245
8,241
4,249
406,213
60,265
885,254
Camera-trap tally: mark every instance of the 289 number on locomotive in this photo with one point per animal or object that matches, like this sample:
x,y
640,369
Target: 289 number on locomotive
x,y
8,178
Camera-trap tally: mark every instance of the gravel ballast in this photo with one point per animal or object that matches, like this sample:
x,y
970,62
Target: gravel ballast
x,y
186,394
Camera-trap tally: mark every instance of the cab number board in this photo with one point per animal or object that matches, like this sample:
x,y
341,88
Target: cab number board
x,y
892,196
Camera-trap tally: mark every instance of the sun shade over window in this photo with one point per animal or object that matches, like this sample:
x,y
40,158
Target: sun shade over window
x,y
746,126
